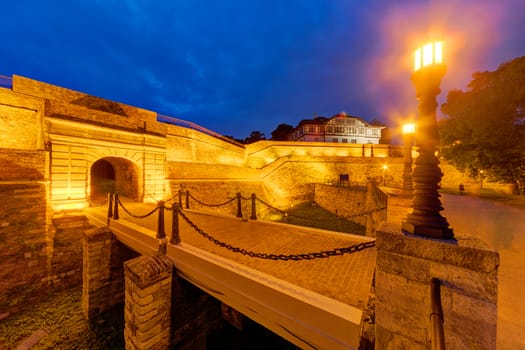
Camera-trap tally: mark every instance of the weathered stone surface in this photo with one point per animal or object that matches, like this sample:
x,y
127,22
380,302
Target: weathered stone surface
x,y
148,315
468,275
103,272
461,253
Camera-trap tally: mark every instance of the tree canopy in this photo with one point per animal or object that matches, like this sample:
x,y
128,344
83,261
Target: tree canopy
x,y
281,132
484,131
254,136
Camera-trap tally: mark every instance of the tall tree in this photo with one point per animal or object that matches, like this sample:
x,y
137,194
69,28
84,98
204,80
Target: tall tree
x,y
281,132
254,136
484,132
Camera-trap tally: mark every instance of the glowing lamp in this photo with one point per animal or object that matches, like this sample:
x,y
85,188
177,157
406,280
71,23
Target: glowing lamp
x,y
431,53
409,129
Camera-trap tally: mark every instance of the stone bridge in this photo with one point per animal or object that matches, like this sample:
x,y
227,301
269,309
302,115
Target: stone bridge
x,y
61,150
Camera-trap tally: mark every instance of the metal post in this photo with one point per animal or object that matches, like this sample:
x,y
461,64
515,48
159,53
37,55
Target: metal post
x,y
175,231
372,151
239,204
110,206
363,150
254,213
436,316
187,199
407,165
115,209
160,224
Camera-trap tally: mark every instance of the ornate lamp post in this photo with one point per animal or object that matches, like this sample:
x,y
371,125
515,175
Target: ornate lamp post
x,y
425,219
408,132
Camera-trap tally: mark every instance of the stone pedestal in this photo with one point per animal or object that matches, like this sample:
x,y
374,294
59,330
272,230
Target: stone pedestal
x,y
96,271
147,311
103,271
469,288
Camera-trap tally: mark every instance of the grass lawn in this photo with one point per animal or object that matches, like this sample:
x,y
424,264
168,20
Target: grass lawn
x,y
60,315
311,215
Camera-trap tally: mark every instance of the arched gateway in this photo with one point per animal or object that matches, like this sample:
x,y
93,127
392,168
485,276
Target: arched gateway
x,y
114,174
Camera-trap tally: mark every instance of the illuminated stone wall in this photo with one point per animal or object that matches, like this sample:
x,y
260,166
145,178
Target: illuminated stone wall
x,y
468,272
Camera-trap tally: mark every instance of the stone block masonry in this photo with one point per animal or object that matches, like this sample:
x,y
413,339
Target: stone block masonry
x,y
103,271
469,288
147,310
23,246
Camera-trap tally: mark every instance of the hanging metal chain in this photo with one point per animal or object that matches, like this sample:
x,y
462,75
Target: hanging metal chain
x,y
271,206
295,257
135,215
212,205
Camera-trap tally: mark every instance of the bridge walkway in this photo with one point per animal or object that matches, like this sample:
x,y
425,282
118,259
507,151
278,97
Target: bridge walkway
x,y
339,285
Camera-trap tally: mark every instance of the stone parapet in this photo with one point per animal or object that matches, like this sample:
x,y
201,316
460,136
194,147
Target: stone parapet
x,y
468,274
147,310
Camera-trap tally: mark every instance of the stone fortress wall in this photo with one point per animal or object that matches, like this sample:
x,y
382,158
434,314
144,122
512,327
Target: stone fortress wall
x,y
51,138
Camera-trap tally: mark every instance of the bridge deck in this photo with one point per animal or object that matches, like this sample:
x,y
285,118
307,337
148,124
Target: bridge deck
x,y
345,279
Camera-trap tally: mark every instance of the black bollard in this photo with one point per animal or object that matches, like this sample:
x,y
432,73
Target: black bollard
x,y
175,233
110,207
187,199
254,213
239,204
115,208
160,224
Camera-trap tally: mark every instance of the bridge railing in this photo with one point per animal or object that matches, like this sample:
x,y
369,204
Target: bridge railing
x,y
191,125
114,203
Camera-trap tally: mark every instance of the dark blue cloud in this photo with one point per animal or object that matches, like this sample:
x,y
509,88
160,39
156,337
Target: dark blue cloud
x,y
236,66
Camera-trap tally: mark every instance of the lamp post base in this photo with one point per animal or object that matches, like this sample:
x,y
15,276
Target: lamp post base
x,y
428,231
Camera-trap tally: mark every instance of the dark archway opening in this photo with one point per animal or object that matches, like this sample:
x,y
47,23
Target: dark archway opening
x,y
114,175
102,179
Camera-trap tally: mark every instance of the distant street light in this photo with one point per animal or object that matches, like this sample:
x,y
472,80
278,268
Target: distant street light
x,y
425,219
408,134
481,179
385,167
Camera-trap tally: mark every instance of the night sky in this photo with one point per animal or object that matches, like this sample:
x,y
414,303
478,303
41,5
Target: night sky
x,y
244,65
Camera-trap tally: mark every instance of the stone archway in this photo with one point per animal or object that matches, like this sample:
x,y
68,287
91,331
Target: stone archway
x,y
114,174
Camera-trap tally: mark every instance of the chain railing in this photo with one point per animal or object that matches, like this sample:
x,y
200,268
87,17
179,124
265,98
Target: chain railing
x,y
295,257
114,203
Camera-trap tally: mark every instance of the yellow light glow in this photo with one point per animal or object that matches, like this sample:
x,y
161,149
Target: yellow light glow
x,y
431,53
417,62
409,128
427,54
438,52
385,166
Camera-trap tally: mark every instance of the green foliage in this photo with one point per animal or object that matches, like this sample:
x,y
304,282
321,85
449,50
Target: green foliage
x,y
484,133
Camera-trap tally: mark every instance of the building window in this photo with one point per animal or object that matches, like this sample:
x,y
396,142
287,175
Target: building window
x,y
353,141
344,140
335,140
